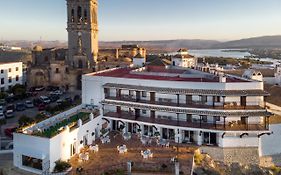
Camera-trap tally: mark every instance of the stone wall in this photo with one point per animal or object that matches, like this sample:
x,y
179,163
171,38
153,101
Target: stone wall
x,y
231,155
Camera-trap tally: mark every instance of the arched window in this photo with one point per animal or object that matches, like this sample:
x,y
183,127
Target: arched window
x,y
85,15
72,15
79,13
80,64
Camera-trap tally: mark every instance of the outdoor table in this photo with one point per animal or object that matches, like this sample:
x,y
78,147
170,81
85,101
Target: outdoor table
x,y
84,156
94,148
122,149
147,154
105,140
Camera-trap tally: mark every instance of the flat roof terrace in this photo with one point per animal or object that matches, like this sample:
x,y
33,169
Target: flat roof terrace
x,y
161,73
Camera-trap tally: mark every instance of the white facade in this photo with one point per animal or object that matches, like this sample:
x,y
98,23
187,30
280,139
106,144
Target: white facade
x,y
183,59
230,131
252,74
139,62
59,147
10,75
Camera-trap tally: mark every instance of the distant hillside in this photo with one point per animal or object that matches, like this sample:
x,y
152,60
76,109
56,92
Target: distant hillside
x,y
168,45
257,42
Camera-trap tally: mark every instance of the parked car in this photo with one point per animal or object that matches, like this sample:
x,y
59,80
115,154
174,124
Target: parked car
x,y
39,88
52,88
31,94
68,99
2,102
54,98
9,131
57,92
1,109
9,146
29,104
10,114
45,99
10,107
20,107
60,101
37,102
41,107
2,116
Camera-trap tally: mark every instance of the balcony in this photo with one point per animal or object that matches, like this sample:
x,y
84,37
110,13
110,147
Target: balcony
x,y
230,126
193,104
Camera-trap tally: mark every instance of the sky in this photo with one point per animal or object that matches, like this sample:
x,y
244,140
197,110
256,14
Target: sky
x,y
146,19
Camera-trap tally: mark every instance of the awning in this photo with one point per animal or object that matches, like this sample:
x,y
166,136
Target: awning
x,y
185,110
208,92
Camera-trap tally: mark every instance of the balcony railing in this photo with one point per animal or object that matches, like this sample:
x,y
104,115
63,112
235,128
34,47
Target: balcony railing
x,y
193,104
229,126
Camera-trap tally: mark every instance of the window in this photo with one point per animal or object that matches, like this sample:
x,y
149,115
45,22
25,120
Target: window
x,y
46,58
10,79
2,80
204,119
143,111
17,78
217,118
32,162
17,68
72,15
217,99
57,70
2,89
10,69
143,94
79,13
2,71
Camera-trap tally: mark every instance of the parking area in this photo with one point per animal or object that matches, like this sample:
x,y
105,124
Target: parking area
x,y
38,102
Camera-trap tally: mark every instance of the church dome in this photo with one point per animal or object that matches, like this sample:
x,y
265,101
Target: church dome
x,y
126,59
38,48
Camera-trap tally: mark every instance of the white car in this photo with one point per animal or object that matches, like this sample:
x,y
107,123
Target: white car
x,y
10,113
29,104
2,116
45,99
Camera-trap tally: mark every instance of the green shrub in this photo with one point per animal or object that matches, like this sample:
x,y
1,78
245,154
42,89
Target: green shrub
x,y
61,166
164,166
25,121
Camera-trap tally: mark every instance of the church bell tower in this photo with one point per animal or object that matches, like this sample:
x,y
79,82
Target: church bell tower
x,y
82,27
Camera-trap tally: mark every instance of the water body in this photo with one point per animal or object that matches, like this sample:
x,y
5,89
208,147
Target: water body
x,y
220,53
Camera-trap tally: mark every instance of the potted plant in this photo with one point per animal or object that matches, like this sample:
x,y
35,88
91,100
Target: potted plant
x,y
157,134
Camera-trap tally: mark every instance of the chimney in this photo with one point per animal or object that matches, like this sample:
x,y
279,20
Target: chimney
x,y
222,79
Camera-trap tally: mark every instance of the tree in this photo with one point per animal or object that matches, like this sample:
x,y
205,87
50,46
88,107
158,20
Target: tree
x,y
25,121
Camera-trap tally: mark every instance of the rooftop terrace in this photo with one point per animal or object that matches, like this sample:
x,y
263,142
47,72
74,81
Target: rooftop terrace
x,y
55,125
165,74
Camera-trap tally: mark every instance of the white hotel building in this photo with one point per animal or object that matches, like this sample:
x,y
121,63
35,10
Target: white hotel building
x,y
182,105
187,106
10,75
